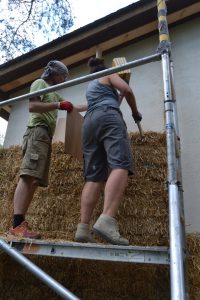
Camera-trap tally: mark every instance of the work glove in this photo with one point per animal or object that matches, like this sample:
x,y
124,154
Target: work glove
x,y
137,117
65,105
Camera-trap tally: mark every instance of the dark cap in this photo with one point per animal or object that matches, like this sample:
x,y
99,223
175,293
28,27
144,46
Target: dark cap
x,y
54,67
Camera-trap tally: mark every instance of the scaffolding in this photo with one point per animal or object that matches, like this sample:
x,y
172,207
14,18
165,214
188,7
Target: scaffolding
x,y
175,255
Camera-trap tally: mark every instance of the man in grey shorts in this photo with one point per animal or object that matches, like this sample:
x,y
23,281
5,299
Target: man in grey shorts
x,y
107,154
109,147
36,145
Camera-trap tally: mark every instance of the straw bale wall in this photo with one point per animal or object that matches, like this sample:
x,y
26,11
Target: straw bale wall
x,y
55,212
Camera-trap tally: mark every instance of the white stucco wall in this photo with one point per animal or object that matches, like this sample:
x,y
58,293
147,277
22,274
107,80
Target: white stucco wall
x,y
16,124
186,56
147,84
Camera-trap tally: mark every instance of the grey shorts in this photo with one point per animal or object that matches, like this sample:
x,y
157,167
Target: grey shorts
x,y
36,149
105,144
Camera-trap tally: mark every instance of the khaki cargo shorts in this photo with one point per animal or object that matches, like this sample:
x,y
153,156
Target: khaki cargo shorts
x,y
36,149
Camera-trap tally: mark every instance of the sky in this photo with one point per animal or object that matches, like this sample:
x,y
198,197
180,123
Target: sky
x,y
85,12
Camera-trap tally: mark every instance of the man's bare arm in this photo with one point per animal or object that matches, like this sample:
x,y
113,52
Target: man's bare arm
x,y
37,106
81,107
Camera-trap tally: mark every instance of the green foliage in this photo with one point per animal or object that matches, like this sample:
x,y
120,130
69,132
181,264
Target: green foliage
x,y
26,24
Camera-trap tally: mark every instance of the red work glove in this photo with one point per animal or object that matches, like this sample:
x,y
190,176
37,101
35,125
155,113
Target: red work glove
x,y
65,105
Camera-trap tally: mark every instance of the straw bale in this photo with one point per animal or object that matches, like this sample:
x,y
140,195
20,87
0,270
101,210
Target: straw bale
x,y
9,168
193,243
87,279
193,265
143,215
55,212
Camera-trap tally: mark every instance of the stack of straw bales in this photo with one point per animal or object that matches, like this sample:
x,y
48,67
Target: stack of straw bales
x,y
193,250
143,219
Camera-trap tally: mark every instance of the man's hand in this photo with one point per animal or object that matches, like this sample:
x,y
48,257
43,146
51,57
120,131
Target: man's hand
x,y
137,117
65,105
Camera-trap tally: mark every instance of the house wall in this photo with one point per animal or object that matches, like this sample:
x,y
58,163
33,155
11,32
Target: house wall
x,y
147,84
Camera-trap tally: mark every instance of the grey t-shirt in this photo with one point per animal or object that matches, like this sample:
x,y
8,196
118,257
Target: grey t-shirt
x,y
98,95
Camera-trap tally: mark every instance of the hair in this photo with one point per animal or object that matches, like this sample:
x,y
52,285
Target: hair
x,y
96,64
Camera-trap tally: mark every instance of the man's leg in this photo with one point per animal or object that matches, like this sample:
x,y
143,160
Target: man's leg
x,y
114,190
89,198
106,225
24,194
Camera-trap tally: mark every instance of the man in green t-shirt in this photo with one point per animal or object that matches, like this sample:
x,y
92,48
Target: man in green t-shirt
x,y
36,145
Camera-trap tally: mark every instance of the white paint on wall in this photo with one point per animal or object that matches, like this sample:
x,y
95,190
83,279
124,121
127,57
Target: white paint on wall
x,y
186,56
16,124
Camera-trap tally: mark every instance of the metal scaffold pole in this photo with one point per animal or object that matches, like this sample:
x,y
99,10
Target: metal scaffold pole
x,y
53,284
176,226
135,63
176,240
179,176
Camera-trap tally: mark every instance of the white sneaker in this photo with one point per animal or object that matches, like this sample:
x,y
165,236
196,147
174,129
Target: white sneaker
x,y
107,228
83,234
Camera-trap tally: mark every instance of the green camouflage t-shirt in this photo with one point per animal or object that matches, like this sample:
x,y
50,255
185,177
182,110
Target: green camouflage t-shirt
x,y
47,118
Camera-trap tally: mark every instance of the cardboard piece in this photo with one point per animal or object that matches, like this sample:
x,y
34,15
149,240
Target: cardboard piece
x,y
73,144
59,134
125,74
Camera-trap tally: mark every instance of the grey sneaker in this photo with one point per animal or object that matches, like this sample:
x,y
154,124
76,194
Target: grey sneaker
x,y
107,228
83,234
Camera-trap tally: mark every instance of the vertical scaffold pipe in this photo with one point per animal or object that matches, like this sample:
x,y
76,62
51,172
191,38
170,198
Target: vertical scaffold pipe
x,y
53,284
179,177
177,277
163,27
